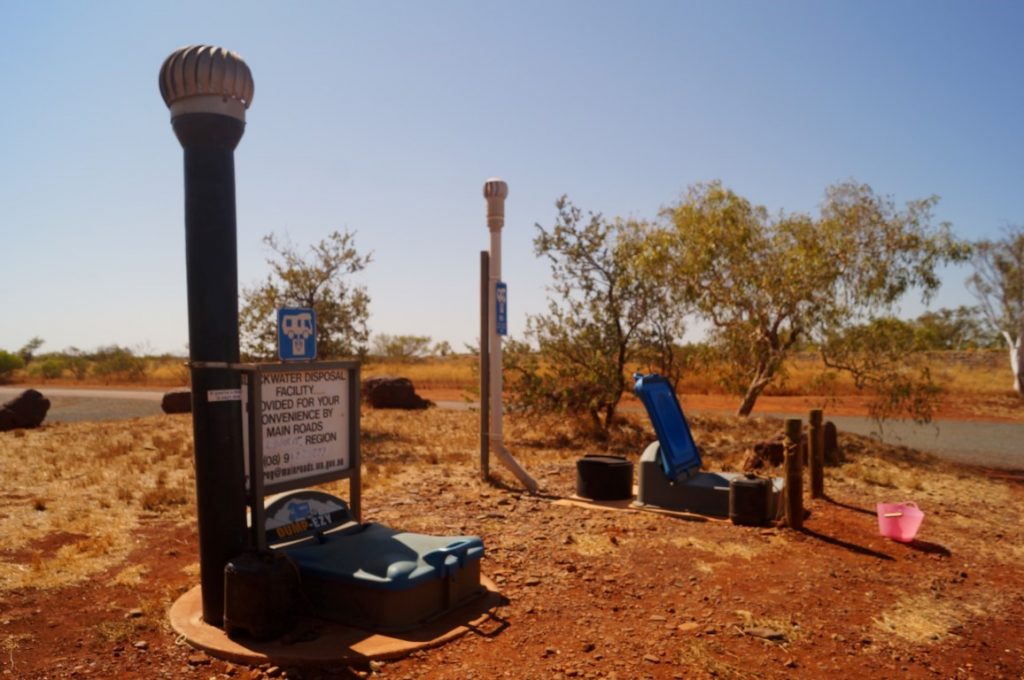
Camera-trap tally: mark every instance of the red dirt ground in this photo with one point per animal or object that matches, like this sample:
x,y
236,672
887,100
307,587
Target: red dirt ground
x,y
637,611
593,593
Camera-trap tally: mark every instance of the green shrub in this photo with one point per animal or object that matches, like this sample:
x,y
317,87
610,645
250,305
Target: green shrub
x,y
119,362
79,366
74,360
9,363
51,368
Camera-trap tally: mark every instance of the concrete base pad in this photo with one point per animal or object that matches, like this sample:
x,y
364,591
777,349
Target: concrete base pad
x,y
318,642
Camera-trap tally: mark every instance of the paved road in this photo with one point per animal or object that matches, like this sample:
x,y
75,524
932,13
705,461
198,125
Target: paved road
x,y
69,405
999,445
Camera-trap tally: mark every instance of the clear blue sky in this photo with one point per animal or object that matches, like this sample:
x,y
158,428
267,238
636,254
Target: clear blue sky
x,y
387,117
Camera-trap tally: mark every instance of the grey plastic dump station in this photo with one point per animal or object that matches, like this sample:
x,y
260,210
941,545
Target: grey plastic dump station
x,y
368,575
669,472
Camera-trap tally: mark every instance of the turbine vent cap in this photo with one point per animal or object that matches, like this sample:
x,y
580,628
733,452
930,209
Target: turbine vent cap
x,y
206,79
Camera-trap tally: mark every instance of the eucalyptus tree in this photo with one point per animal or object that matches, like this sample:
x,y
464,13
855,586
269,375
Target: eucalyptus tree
x,y
998,284
765,283
603,317
401,347
958,329
320,279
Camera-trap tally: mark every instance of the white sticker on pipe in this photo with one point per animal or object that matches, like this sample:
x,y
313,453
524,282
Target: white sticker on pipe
x,y
224,395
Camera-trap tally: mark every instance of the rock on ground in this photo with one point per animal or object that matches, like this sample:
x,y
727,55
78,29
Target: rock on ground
x,y
389,392
177,401
26,410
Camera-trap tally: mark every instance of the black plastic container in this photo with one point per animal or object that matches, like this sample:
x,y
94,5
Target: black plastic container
x,y
750,500
604,478
260,595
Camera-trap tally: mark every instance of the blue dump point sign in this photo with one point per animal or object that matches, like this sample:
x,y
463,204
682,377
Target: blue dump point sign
x,y
296,334
501,307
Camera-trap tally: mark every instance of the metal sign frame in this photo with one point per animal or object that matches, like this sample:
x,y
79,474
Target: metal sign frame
x,y
254,416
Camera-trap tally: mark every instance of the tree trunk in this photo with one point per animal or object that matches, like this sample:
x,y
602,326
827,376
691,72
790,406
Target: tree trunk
x,y
750,398
609,415
1016,361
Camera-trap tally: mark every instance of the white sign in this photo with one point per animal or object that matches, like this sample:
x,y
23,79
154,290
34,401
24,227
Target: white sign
x,y
304,423
224,395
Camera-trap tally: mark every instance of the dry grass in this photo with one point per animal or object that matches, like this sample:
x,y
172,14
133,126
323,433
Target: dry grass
x,y
785,626
703,567
926,618
171,371
723,549
454,372
9,646
708,656
974,373
131,575
80,492
982,373
593,545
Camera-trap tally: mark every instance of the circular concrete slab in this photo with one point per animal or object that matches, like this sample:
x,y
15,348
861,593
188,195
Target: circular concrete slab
x,y
316,642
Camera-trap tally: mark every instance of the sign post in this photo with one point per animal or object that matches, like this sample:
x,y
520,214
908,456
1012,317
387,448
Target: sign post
x,y
207,90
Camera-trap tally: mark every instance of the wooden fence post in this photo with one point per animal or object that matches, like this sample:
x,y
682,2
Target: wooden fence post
x,y
816,453
794,469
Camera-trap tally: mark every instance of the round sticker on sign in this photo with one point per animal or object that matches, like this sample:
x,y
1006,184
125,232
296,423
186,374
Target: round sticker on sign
x,y
300,514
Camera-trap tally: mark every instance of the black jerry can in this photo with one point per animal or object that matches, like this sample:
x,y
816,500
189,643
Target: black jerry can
x,y
749,500
261,593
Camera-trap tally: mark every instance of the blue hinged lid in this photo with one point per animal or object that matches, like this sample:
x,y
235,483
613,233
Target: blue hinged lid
x,y
679,455
375,556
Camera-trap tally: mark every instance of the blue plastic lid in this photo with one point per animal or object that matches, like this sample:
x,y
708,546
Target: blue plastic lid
x,y
375,556
679,455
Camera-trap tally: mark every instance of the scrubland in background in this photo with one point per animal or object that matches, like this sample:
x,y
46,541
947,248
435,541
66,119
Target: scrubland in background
x,y
968,372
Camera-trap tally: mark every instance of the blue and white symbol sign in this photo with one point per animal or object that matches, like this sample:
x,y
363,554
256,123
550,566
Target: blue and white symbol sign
x,y
501,308
296,334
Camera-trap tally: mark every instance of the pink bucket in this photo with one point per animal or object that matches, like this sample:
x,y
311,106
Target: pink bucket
x,y
899,521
